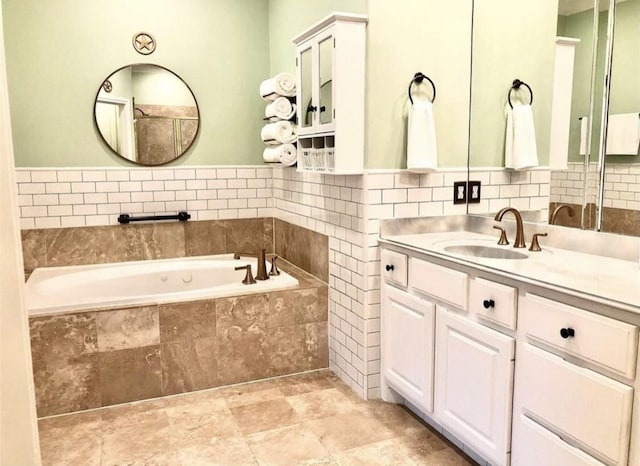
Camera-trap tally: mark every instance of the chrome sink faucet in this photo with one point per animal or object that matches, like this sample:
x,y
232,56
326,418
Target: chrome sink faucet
x,y
519,241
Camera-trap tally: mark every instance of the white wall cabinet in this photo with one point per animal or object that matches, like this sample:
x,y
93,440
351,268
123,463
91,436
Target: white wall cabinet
x,y
330,59
408,326
474,380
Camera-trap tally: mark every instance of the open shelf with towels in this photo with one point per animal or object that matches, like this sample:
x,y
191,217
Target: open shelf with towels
x,y
330,61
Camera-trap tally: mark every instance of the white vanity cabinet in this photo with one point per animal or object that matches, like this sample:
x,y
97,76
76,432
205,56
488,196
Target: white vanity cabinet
x,y
441,358
517,373
573,388
330,77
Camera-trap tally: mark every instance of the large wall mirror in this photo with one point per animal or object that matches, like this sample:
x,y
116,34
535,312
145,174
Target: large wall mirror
x,y
562,48
146,114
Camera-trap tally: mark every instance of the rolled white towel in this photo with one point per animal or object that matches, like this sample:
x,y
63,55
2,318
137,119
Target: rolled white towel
x,y
283,153
281,108
279,132
282,84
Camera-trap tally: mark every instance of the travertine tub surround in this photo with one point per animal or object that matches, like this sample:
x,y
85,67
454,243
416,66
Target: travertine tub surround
x,y
91,359
140,241
305,248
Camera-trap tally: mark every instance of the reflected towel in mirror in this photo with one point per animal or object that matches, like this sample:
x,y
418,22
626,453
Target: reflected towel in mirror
x,y
623,134
282,84
422,150
279,132
584,130
520,150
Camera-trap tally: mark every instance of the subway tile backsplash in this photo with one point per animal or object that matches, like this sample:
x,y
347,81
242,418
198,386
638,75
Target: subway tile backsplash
x,y
346,208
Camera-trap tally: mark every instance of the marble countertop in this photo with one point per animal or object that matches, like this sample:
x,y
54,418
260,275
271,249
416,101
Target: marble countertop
x,y
607,280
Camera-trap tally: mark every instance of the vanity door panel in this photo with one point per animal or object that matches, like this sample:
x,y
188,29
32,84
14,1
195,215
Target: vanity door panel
x,y
407,345
474,383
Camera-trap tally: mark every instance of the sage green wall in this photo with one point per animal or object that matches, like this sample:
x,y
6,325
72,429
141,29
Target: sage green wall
x,y
511,39
430,36
288,18
59,51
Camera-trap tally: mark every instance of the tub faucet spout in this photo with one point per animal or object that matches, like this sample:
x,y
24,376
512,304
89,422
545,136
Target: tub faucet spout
x,y
519,242
262,266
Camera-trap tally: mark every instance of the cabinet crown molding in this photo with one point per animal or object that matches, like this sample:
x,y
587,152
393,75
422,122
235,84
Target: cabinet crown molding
x,y
328,21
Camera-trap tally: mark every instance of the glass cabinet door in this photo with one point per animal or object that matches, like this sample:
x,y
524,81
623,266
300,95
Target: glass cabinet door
x,y
325,97
306,88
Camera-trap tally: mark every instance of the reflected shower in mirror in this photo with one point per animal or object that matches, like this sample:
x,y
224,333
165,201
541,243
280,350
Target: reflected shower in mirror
x,y
146,114
610,203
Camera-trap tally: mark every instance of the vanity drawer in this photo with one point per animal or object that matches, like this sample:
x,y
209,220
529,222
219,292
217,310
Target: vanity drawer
x,y
605,342
534,445
448,285
394,267
493,301
592,409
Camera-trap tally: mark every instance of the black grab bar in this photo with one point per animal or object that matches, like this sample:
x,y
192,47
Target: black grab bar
x,y
126,218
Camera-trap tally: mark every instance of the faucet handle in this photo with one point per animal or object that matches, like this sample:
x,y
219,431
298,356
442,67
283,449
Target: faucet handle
x,y
248,278
503,235
534,242
274,268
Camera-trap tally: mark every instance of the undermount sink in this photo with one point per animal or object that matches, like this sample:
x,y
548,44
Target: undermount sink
x,y
490,252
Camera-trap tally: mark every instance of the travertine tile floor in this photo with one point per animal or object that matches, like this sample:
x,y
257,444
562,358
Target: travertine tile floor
x,y
307,419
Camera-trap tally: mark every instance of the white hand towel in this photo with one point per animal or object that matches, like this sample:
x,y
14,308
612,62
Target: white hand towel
x,y
281,108
422,150
283,153
521,151
584,131
623,134
279,132
282,84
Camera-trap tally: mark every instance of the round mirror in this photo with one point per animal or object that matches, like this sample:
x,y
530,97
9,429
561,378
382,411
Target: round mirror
x,y
146,114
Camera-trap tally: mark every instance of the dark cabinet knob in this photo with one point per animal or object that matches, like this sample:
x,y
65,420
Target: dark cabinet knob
x,y
312,108
389,268
487,303
567,332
